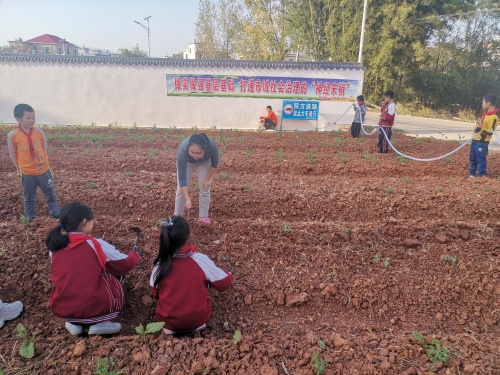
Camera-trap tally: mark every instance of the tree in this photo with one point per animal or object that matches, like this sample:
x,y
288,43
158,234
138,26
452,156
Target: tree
x,y
134,52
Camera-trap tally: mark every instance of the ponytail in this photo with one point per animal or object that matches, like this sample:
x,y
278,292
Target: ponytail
x,y
173,236
70,219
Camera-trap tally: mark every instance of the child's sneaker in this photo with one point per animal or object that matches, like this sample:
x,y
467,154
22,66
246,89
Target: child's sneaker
x,y
9,311
105,328
74,329
471,176
205,220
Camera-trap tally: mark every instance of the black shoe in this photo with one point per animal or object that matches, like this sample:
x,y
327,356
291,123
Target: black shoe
x,y
55,216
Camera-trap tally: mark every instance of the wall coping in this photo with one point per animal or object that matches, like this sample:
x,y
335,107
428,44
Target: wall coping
x,y
182,62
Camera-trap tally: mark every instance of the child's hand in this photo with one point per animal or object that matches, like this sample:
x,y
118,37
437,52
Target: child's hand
x,y
207,183
188,205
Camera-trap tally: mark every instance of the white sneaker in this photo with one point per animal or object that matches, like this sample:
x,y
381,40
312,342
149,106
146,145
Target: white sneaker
x,y
9,311
105,328
471,176
74,329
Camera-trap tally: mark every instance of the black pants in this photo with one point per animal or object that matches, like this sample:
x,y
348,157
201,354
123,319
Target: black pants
x,y
268,124
355,129
383,145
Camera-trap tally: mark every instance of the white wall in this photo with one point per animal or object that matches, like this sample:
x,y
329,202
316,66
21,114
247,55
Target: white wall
x,y
65,91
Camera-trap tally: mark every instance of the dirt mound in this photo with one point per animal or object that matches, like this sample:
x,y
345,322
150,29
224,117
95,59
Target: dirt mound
x,y
339,253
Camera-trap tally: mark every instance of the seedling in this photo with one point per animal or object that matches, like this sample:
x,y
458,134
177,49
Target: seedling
x,y
103,365
435,351
150,328
402,159
389,190
236,337
24,219
386,262
27,348
153,153
339,141
405,179
312,156
145,186
287,228
92,185
439,189
347,230
367,155
446,160
197,187
318,362
279,155
224,176
248,151
342,157
154,129
222,150
129,173
246,187
448,259
376,257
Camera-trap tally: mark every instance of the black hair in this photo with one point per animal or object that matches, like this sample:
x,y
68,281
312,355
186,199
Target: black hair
x,y
21,108
199,139
361,98
70,219
174,234
389,93
269,107
490,98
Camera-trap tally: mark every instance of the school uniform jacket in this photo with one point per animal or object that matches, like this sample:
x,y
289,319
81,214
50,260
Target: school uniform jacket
x,y
184,301
490,122
387,114
83,292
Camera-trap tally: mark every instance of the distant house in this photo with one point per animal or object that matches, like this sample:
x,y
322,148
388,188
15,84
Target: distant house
x,y
91,51
192,51
44,44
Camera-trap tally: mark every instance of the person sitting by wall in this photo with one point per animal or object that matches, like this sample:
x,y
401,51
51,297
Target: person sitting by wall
x,y
270,120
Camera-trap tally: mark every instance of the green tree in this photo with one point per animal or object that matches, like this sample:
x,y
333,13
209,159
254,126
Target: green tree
x,y
134,52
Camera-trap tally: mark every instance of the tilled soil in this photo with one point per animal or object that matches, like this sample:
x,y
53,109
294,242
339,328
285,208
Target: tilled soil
x,y
339,253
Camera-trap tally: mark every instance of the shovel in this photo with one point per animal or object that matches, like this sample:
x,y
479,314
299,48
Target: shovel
x,y
138,231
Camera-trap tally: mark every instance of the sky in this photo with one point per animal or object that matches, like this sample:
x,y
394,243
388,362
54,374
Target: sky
x,y
105,24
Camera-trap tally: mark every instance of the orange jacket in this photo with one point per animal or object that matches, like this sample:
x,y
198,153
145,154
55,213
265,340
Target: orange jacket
x,y
20,153
271,116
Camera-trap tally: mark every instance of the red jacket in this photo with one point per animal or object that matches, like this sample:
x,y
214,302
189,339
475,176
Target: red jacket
x,y
387,119
184,301
83,292
271,116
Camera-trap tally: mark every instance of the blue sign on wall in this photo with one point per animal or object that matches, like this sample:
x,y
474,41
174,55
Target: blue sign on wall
x,y
300,110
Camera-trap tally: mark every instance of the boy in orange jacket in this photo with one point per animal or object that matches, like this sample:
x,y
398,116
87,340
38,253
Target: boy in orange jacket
x,y
28,151
270,120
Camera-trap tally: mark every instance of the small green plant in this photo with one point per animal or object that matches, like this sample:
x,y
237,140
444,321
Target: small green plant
x,y
438,189
446,160
236,337
386,262
339,141
145,186
154,128
27,348
248,151
402,159
318,362
312,156
197,187
224,176
342,157
103,367
150,328
3,251
389,190
222,150
153,153
347,230
287,228
367,155
449,259
376,257
92,185
24,219
405,179
279,155
129,173
246,186
435,351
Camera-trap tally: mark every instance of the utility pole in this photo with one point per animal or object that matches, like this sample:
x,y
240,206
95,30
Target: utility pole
x,y
362,40
148,31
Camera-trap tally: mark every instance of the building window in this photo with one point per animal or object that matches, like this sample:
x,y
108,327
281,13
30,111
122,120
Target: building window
x,y
47,50
60,50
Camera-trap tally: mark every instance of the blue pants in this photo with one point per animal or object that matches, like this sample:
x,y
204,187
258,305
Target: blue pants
x,y
46,183
382,142
355,129
477,157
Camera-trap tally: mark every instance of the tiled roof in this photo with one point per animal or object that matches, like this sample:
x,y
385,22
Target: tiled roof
x,y
183,63
50,39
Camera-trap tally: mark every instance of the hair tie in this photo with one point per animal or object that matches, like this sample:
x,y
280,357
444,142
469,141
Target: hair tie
x,y
167,223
